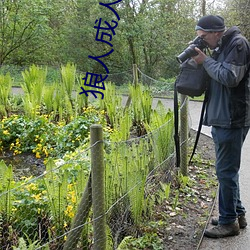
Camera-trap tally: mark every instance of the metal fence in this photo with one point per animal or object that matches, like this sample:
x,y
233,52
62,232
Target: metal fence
x,y
95,202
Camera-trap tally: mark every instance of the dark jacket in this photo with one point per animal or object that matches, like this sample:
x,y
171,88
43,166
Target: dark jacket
x,y
229,90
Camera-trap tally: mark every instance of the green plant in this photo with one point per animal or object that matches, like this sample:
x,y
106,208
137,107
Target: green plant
x,y
5,89
126,173
68,74
48,98
30,208
141,104
45,138
161,128
6,184
164,191
112,108
176,199
33,86
147,241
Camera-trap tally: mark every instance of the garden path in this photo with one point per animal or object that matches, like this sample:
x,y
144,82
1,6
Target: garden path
x,y
241,242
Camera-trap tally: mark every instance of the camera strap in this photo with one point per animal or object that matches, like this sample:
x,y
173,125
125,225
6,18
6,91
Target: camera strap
x,y
176,126
199,127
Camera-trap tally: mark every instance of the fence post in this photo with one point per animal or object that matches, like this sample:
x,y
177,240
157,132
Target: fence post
x,y
98,195
80,218
135,74
184,135
135,77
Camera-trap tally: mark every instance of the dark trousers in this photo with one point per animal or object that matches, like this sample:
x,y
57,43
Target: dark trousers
x,y
228,145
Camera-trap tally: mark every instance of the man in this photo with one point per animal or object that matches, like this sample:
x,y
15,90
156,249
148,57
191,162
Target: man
x,y
228,112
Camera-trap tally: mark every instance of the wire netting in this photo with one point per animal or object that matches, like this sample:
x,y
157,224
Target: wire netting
x,y
43,211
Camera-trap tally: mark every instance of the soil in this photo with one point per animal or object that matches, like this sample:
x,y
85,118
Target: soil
x,y
25,164
186,223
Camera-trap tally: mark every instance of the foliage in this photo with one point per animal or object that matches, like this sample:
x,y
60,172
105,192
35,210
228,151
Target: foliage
x,y
51,200
147,241
141,106
22,23
6,184
114,109
34,81
43,137
161,126
149,33
5,89
43,206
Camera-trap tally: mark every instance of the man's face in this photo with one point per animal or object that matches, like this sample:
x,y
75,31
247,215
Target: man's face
x,y
211,38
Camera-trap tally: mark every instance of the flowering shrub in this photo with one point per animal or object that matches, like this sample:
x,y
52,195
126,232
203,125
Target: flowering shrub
x,y
46,138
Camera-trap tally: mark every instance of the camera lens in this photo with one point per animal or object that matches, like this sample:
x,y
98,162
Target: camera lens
x,y
187,53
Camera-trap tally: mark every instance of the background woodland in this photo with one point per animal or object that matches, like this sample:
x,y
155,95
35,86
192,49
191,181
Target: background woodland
x,y
150,33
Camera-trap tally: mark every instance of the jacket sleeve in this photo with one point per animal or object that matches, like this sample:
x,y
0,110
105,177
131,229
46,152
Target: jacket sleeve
x,y
230,70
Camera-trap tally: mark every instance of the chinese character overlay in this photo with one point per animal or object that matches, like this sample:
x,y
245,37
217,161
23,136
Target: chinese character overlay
x,y
102,28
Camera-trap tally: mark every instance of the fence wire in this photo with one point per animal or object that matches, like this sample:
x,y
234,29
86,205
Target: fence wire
x,y
43,210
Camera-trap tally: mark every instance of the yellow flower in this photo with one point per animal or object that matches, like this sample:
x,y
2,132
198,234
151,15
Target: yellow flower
x,y
37,196
14,209
6,132
31,186
38,155
69,211
73,199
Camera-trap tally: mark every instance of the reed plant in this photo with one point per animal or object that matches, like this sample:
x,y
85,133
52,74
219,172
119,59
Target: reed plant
x,y
5,90
141,105
161,130
62,107
126,172
68,75
56,186
6,184
48,97
112,104
34,80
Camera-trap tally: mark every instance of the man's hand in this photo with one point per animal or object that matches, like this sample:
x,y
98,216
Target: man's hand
x,y
200,58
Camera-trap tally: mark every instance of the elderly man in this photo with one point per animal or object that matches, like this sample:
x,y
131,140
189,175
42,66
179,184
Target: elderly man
x,y
228,112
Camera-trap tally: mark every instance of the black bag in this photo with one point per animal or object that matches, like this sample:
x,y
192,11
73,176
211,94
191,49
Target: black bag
x,y
192,80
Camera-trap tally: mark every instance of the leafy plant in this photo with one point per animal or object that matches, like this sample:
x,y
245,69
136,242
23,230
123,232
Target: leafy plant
x,y
33,86
112,108
6,184
147,241
48,98
161,126
141,104
5,89
22,245
68,74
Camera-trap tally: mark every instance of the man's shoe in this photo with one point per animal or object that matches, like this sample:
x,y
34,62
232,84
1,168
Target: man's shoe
x,y
221,231
241,219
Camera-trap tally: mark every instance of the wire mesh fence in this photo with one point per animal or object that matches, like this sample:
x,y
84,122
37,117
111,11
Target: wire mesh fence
x,y
55,210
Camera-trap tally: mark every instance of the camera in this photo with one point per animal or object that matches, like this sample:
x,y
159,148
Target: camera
x,y
190,51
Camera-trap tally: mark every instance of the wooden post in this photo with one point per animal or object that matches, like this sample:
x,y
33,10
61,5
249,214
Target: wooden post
x,y
135,81
80,218
98,195
135,74
184,135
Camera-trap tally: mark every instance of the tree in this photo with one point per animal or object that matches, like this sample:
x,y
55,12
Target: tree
x,y
21,21
237,12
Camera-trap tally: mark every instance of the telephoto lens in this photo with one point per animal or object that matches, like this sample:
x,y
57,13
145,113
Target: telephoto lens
x,y
190,50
